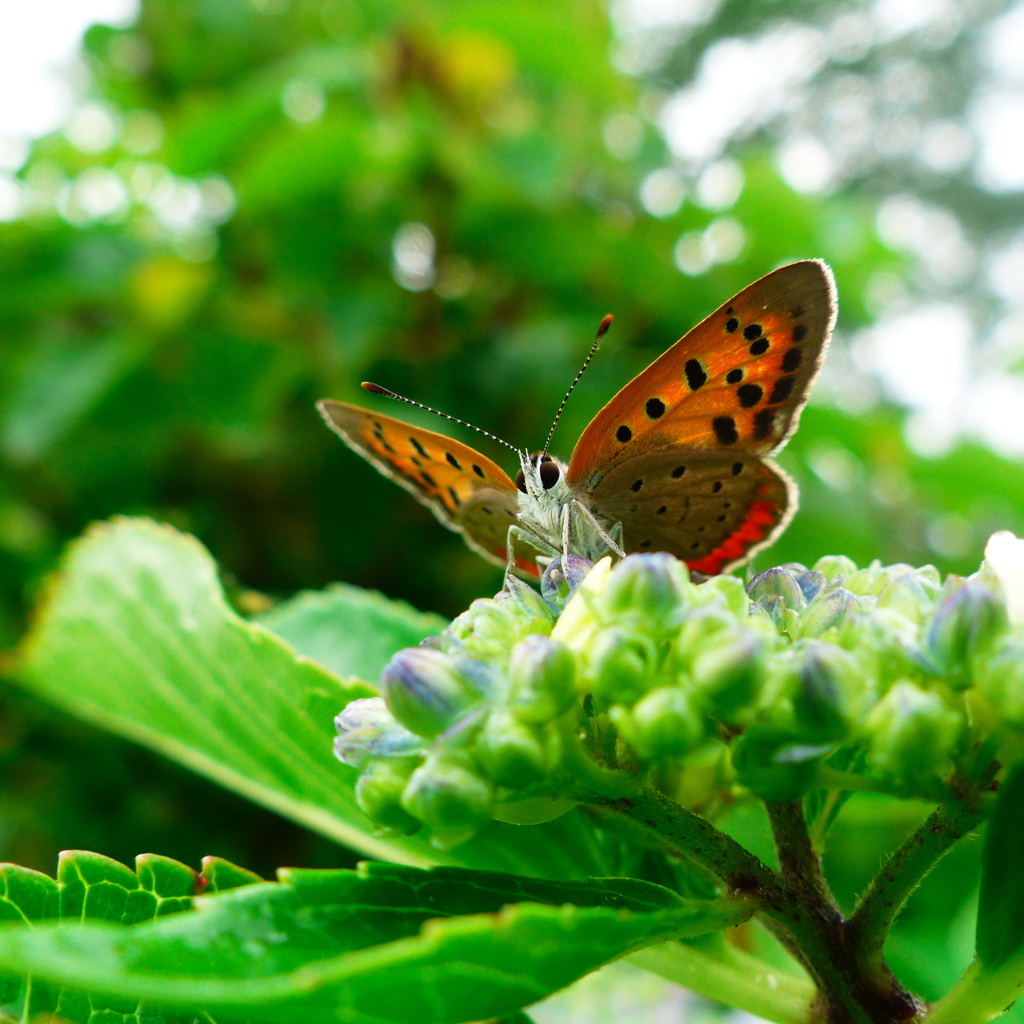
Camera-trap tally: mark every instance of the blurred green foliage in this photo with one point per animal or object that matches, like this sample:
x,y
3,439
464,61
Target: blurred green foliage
x,y
163,345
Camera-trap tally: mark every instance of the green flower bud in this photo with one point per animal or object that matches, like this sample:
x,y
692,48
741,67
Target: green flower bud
x,y
528,604
776,582
489,628
886,643
825,699
652,587
368,730
449,796
968,622
728,673
542,674
661,724
424,691
827,610
515,754
379,791
562,576
727,590
622,664
911,732
831,566
909,595
1001,679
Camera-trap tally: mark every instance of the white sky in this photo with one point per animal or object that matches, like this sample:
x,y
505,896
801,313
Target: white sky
x,y
39,44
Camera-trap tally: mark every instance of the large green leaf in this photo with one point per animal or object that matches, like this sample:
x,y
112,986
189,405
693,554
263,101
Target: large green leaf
x,y
380,944
351,631
137,637
1000,936
90,887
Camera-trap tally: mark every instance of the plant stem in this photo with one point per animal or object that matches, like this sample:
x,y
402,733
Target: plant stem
x,y
689,835
978,996
800,863
902,873
732,977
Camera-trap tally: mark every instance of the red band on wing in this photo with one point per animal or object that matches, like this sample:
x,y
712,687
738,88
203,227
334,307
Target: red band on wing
x,y
521,563
760,519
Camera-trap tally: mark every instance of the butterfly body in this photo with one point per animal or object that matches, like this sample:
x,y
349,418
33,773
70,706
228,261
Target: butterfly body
x,y
677,461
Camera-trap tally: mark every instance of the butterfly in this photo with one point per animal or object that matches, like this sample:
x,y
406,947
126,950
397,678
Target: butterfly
x,y
677,461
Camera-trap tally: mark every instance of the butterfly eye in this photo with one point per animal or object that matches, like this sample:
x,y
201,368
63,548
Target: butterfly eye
x,y
521,481
549,474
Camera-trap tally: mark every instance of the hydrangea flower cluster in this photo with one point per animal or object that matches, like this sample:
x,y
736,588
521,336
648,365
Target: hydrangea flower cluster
x,y
632,674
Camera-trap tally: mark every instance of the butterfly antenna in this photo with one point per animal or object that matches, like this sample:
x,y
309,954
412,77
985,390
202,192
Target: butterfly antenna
x,y
378,390
601,332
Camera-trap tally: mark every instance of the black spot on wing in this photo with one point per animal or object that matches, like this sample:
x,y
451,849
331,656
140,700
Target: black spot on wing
x,y
791,360
799,333
479,472
696,375
624,434
737,468
763,423
731,324
725,429
752,331
654,408
749,395
636,485
716,486
454,461
678,472
415,443
734,376
661,511
759,347
428,479
455,498
782,390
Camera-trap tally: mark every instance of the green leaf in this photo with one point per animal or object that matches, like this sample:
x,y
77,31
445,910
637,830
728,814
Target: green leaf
x,y
383,943
137,637
89,887
351,631
1000,936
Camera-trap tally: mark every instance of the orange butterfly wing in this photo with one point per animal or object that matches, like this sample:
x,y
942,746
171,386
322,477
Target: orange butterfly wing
x,y
735,383
466,491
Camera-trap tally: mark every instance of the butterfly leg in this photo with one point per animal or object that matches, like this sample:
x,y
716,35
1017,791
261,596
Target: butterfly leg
x,y
599,529
532,539
565,531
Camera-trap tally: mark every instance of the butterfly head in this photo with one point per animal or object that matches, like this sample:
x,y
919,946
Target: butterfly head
x,y
538,473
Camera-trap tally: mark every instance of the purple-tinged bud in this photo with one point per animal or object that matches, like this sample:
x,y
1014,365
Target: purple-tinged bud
x,y
826,698
969,620
423,690
776,582
367,730
379,791
810,583
515,754
542,677
562,576
449,796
